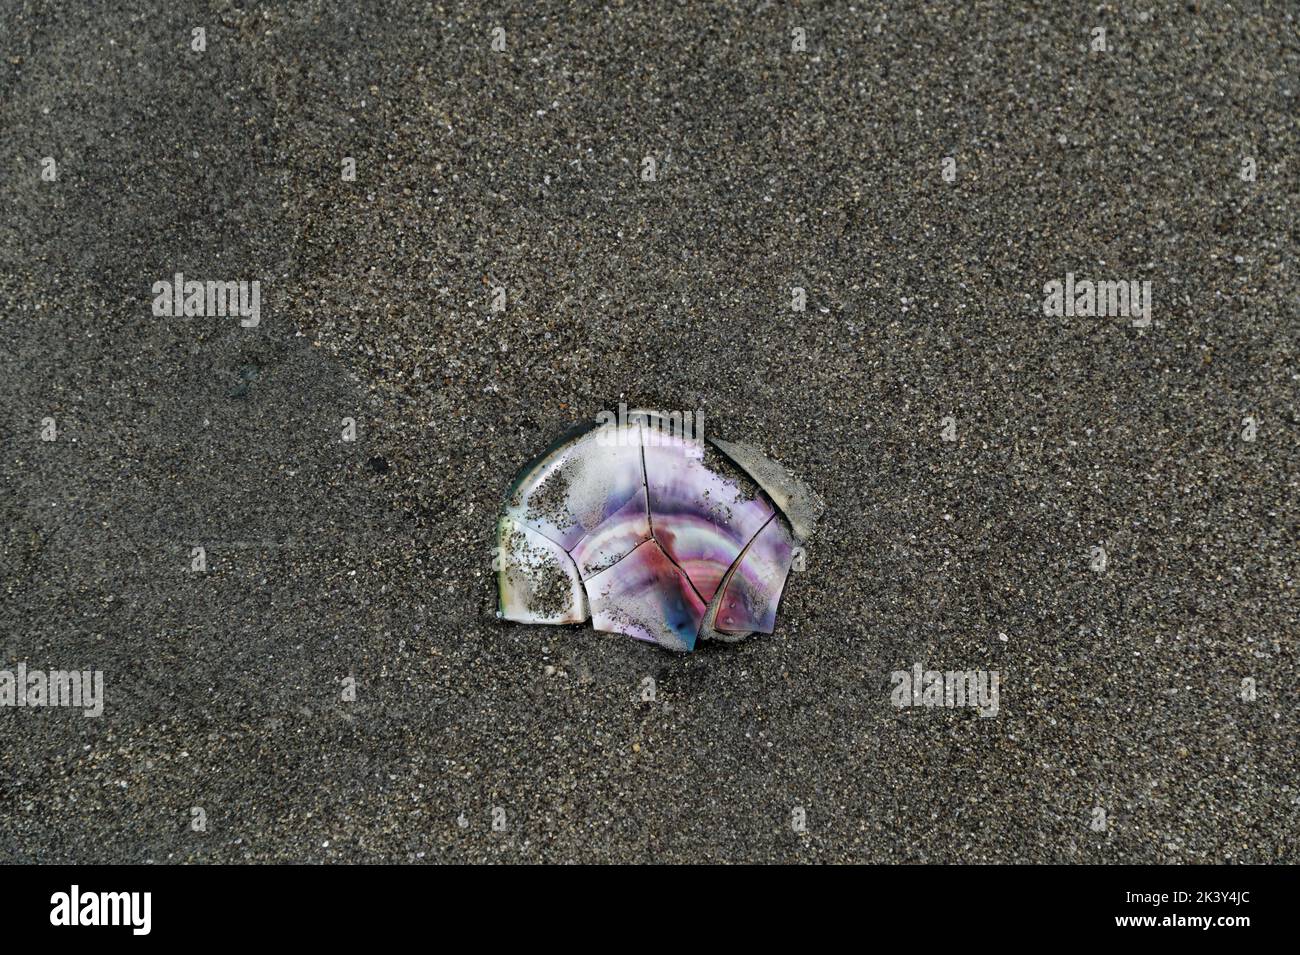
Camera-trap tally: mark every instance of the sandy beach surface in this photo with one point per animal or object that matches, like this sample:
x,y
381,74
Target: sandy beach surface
x,y
334,685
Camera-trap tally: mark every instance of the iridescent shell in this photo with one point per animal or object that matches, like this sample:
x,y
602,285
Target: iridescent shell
x,y
652,533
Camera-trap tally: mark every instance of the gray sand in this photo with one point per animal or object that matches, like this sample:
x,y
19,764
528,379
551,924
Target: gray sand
x,y
1121,690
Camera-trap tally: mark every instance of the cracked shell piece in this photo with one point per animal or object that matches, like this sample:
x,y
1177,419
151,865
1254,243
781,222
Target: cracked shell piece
x,y
646,595
702,516
754,584
538,581
654,534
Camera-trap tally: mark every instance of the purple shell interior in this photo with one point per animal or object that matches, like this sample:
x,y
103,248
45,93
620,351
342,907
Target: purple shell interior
x,y
659,538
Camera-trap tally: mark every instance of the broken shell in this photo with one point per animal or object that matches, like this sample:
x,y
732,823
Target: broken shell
x,y
652,533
